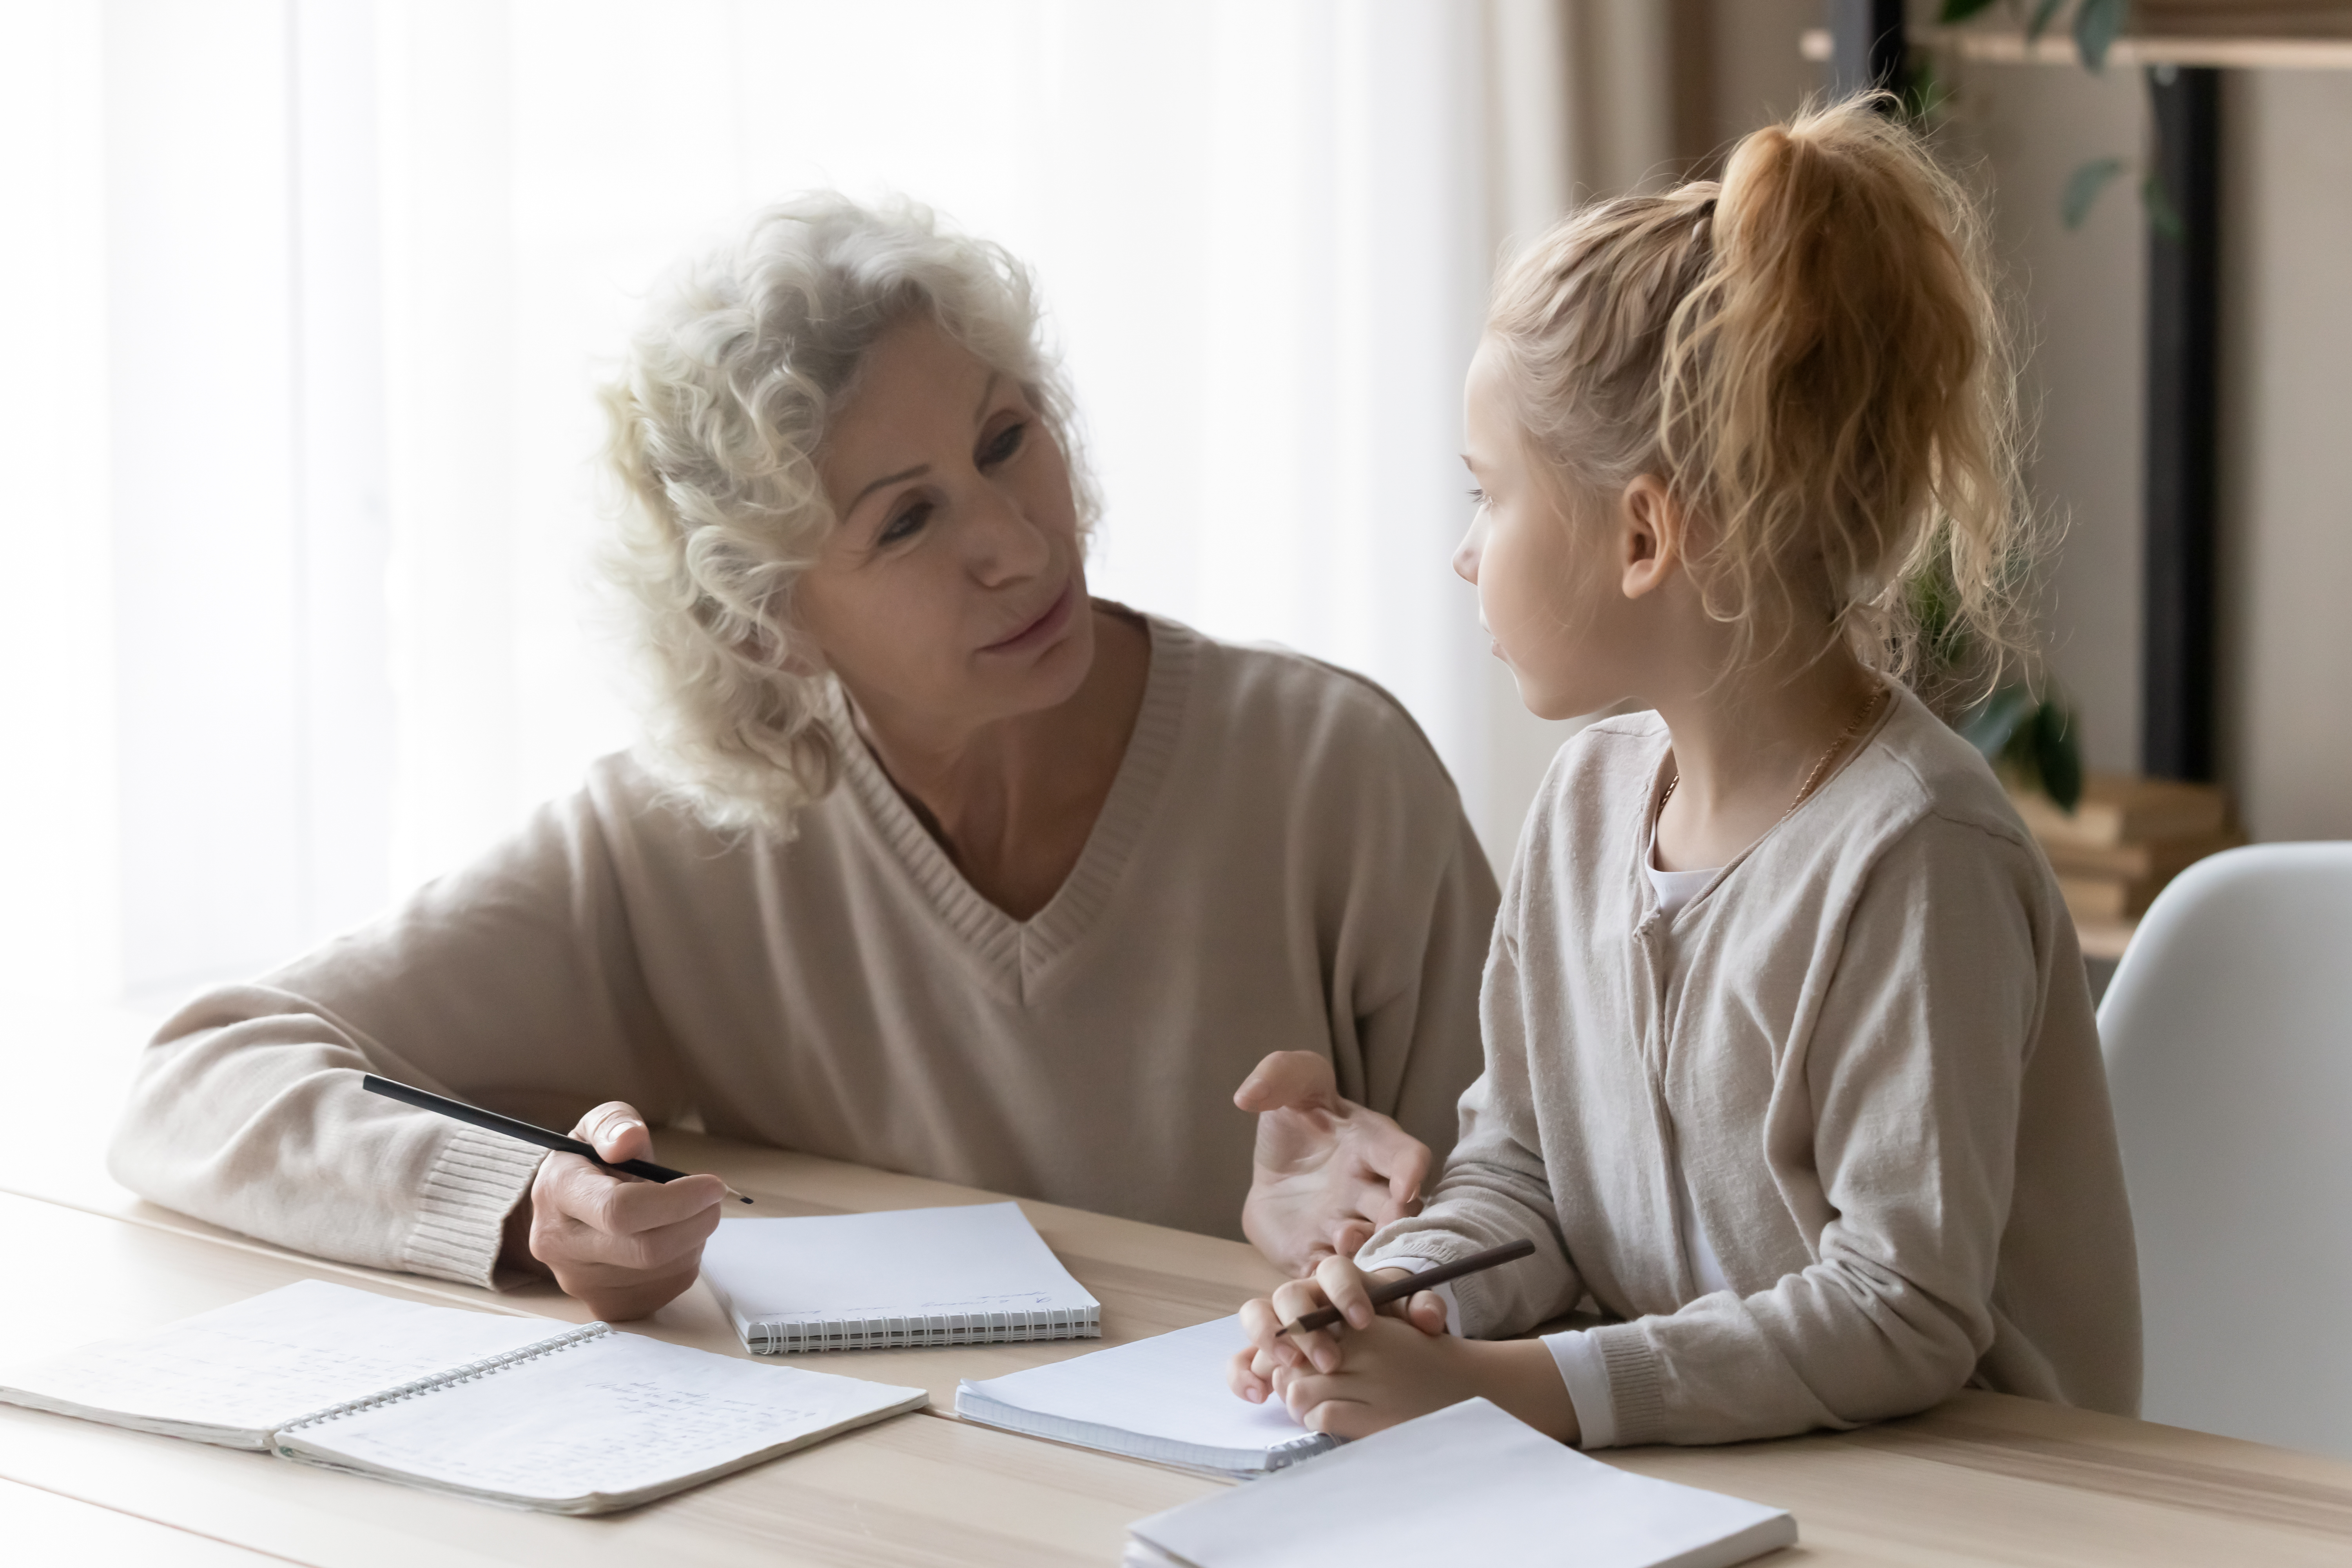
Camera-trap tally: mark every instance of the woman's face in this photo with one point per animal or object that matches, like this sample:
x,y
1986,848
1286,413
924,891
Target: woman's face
x,y
1547,603
951,591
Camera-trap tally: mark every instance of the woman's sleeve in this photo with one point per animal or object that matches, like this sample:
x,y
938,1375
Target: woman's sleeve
x,y
1906,1106
513,984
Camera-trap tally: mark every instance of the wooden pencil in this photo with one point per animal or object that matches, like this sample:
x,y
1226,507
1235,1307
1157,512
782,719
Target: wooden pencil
x,y
1398,1289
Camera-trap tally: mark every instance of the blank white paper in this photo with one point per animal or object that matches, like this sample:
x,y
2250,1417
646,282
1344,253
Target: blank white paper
x,y
1171,1387
1467,1484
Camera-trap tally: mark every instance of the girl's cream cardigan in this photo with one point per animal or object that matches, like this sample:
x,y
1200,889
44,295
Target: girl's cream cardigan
x,y
1869,1044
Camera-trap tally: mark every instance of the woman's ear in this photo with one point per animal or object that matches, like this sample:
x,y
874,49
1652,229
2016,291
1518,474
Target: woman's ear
x,y
1649,535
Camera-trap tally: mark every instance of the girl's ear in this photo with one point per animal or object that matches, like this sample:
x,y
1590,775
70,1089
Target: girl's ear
x,y
1649,536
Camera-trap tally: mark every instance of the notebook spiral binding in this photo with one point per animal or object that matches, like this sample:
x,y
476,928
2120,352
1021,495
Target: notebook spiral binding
x,y
811,1332
1299,1450
466,1373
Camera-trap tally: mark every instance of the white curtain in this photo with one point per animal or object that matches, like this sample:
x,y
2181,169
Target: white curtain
x,y
59,860
302,605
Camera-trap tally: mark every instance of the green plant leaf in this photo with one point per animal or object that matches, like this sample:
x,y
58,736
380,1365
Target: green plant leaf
x,y
2029,742
2097,23
2056,759
1961,10
2161,213
1943,646
1995,722
2045,13
2083,188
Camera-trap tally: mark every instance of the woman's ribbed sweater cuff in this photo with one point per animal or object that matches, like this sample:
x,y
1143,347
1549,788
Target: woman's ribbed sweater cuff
x,y
1637,1389
462,1210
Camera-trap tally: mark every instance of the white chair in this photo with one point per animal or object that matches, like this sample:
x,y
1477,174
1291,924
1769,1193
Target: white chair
x,y
2228,1038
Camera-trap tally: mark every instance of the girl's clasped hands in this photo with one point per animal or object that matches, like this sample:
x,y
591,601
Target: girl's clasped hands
x,y
1391,1363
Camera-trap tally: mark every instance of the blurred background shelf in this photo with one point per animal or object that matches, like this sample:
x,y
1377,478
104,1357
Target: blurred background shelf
x,y
1993,45
2124,840
2102,944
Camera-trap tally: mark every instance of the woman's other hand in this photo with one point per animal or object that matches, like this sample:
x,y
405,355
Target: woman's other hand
x,y
622,1246
1256,1372
1327,1172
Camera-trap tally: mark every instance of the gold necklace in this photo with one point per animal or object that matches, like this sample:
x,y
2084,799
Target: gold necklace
x,y
1813,778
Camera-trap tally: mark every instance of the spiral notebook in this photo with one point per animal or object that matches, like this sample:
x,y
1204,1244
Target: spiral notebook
x,y
1163,1399
514,1410
977,1274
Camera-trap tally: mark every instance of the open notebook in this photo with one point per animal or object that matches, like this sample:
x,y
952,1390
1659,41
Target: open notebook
x,y
977,1274
1163,1399
507,1409
1467,1484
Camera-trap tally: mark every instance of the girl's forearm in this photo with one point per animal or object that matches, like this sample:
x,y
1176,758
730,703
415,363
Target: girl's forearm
x,y
1520,1376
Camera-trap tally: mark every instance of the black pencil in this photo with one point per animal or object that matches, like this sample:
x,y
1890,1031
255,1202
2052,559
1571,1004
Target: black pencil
x,y
458,1110
1398,1289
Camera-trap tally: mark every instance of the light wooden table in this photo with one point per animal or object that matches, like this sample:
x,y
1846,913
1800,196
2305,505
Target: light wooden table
x,y
1981,1479
39,1527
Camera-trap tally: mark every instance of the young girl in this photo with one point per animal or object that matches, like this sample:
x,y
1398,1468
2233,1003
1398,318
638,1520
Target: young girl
x,y
1790,1064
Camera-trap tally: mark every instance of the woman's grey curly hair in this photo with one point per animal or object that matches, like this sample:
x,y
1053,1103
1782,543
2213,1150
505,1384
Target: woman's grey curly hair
x,y
717,420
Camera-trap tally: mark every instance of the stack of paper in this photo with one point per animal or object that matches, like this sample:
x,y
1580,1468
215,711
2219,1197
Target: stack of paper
x,y
1469,1484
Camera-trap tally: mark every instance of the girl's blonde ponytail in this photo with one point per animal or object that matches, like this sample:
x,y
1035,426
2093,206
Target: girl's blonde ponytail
x,y
1811,356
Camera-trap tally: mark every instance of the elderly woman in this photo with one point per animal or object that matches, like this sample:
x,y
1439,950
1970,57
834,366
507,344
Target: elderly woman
x,y
931,860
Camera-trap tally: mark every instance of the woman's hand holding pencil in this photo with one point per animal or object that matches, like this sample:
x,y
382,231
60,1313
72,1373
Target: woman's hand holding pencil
x,y
624,1246
609,1239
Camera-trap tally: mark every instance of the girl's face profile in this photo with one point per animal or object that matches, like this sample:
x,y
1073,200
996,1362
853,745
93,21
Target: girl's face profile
x,y
951,591
1541,602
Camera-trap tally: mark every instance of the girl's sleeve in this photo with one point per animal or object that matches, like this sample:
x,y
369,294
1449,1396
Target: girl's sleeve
x,y
513,984
1495,1189
1906,1106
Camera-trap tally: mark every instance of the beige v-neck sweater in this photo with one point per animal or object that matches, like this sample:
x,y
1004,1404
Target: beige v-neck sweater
x,y
1281,863
1868,1044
